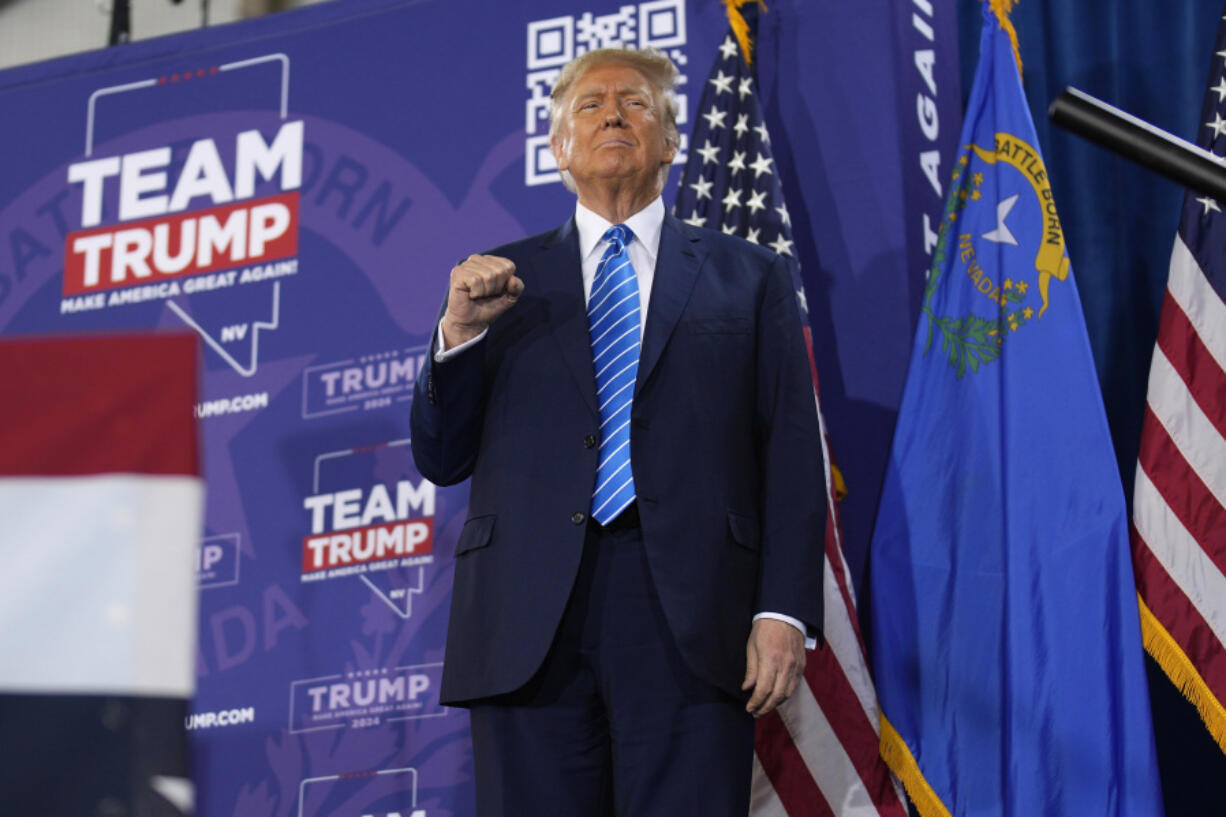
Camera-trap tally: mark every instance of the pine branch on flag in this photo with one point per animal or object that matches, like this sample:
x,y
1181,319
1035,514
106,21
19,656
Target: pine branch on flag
x,y
1006,636
1179,497
818,753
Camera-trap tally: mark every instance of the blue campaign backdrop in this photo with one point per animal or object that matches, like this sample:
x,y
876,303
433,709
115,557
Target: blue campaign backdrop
x,y
295,189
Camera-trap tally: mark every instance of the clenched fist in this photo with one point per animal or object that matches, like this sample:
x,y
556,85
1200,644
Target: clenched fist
x,y
482,288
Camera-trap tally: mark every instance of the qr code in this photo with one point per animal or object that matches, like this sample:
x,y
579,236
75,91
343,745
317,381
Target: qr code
x,y
555,41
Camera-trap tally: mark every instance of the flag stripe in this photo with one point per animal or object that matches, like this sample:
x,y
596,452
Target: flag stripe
x,y
1181,489
140,389
834,539
844,646
1182,621
1189,356
1193,572
763,799
828,683
819,742
1189,429
834,551
787,770
842,626
1199,301
101,593
840,672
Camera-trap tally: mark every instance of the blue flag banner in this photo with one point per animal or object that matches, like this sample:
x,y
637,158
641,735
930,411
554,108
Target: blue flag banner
x,y
1006,638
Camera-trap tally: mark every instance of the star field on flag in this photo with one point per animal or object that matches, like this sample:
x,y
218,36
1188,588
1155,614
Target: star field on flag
x,y
730,182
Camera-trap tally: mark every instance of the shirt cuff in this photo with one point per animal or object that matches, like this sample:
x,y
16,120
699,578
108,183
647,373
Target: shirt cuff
x,y
442,354
810,641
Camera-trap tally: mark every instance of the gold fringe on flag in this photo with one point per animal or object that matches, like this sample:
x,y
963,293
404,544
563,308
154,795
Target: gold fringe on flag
x,y
897,755
740,28
840,484
1183,673
1002,9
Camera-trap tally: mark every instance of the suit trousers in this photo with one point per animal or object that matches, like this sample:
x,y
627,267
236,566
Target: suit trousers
x,y
614,724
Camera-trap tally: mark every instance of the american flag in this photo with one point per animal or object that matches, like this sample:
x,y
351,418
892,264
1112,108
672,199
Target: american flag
x,y
1179,501
818,753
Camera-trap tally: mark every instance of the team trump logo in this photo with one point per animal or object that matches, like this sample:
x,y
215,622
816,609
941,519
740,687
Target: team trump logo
x,y
371,518
362,699
203,219
365,793
357,530
372,381
1007,245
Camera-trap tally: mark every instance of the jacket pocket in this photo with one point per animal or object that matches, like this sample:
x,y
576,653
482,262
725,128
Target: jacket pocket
x,y
744,530
477,533
719,326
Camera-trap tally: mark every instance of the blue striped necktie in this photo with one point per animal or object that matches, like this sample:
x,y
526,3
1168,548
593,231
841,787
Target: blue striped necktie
x,y
613,325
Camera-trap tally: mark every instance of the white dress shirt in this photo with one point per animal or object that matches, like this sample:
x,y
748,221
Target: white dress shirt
x,y
646,225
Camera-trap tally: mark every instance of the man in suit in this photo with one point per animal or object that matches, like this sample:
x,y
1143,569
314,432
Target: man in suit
x,y
642,559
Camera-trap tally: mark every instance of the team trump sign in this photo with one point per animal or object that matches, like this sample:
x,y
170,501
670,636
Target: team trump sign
x,y
159,236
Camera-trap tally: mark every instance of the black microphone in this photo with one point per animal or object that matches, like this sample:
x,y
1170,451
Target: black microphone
x,y
1137,140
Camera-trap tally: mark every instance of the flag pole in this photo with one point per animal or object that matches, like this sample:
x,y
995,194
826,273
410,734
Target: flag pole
x,y
1138,140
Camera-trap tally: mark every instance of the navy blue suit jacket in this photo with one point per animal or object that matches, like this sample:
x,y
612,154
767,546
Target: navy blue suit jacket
x,y
724,446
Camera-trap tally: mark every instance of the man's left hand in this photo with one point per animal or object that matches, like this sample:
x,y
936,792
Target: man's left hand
x,y
774,664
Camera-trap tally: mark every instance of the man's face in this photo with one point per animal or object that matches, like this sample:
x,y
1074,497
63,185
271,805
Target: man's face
x,y
612,129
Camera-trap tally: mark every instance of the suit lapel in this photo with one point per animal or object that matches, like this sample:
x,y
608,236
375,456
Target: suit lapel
x,y
557,269
677,263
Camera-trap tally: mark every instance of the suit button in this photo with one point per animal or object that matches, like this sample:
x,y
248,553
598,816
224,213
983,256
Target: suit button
x,y
589,441
578,517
